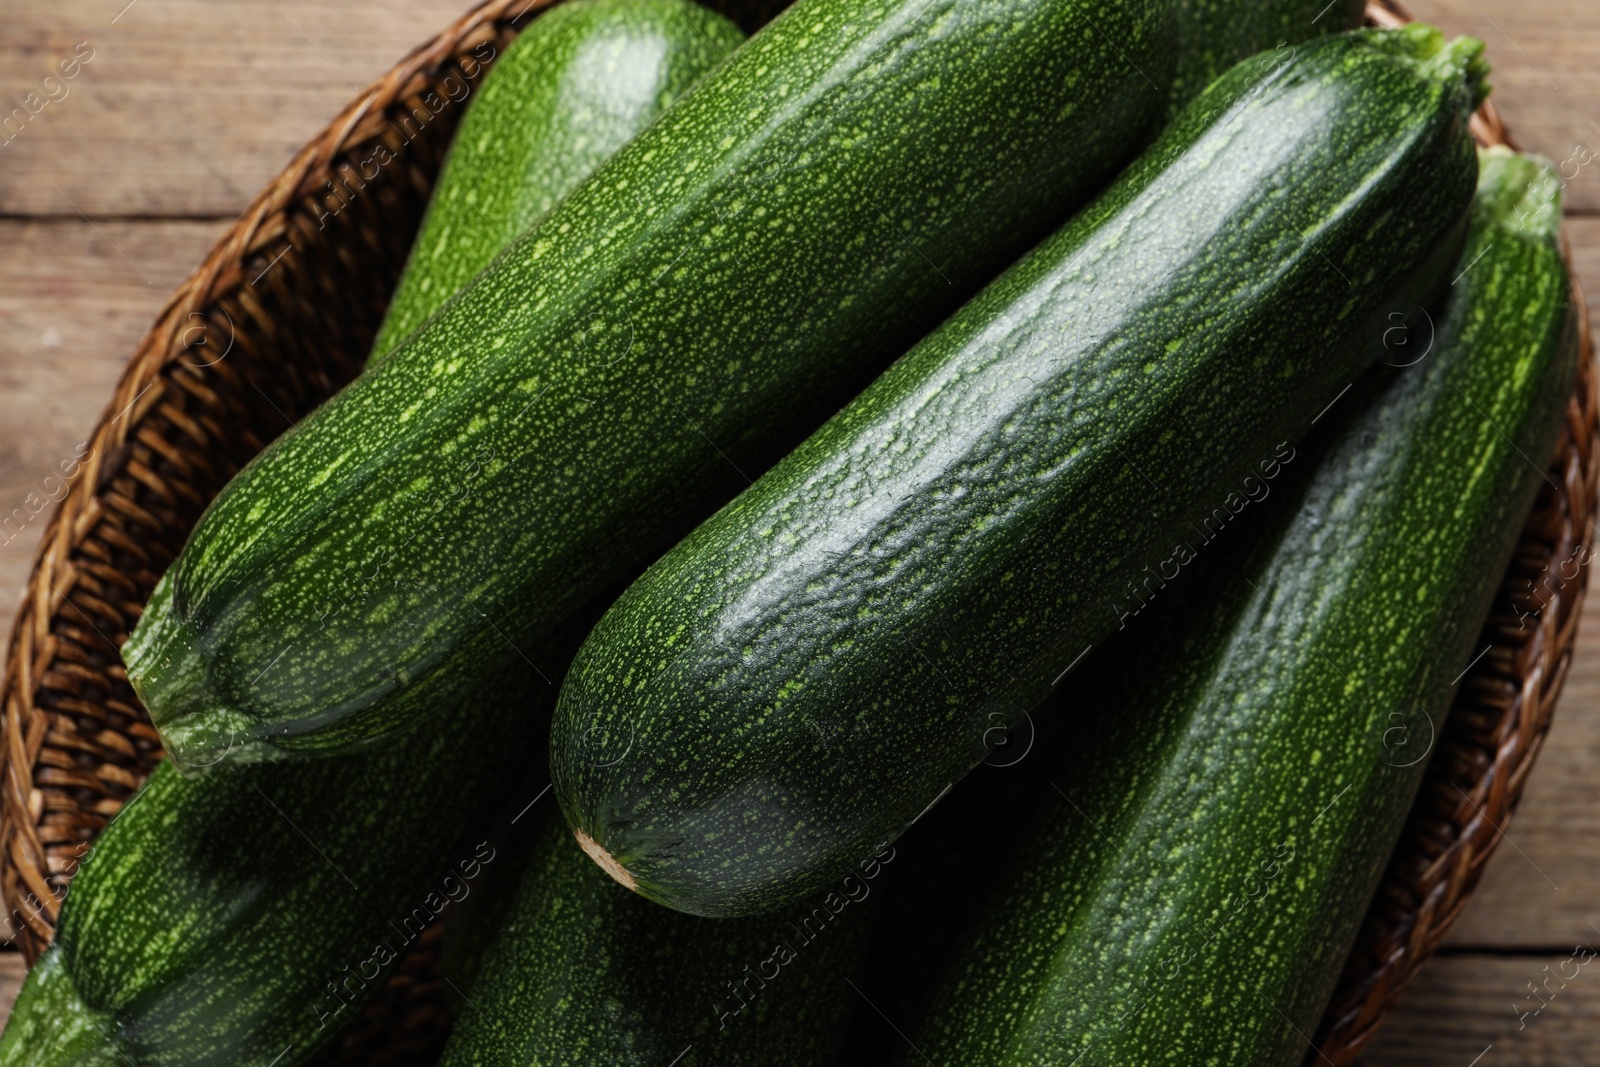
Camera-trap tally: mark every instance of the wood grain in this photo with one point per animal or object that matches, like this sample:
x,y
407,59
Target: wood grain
x,y
75,298
12,972
188,106
1495,1011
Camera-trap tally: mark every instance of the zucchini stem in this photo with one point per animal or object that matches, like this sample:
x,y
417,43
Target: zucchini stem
x,y
1439,56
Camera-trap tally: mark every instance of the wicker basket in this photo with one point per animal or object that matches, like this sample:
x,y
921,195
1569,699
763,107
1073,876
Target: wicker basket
x,y
292,296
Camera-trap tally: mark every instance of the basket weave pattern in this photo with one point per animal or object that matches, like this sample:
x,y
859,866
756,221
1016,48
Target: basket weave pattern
x,y
283,311
279,315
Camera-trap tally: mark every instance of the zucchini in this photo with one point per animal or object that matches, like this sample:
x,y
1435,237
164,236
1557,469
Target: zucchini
x,y
1214,35
1191,894
193,866
809,670
245,917
574,87
825,195
473,927
583,972
944,868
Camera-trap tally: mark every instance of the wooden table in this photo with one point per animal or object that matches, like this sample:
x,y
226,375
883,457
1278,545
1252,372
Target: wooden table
x,y
177,111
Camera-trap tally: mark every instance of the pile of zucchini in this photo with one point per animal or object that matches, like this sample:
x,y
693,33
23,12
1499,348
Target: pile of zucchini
x,y
761,431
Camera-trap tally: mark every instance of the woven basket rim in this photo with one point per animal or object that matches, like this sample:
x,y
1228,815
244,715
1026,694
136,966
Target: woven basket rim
x,y
1436,866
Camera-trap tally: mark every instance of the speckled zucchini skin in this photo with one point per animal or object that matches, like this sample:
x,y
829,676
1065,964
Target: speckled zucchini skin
x,y
574,87
803,675
580,81
234,918
1192,896
585,972
1213,35
790,225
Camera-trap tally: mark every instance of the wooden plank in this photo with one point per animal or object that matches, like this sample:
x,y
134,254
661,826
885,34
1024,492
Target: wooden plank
x,y
12,972
1546,83
1472,1009
187,107
75,299
1583,237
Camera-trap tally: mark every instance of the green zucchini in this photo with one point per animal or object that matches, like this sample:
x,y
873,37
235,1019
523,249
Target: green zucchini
x,y
548,90
1191,893
473,928
583,972
245,917
1214,35
574,87
809,670
825,195
943,871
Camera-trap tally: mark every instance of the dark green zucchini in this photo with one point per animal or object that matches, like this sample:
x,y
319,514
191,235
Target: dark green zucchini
x,y
1213,35
246,917
585,973
809,670
824,196
1191,893
214,870
574,87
